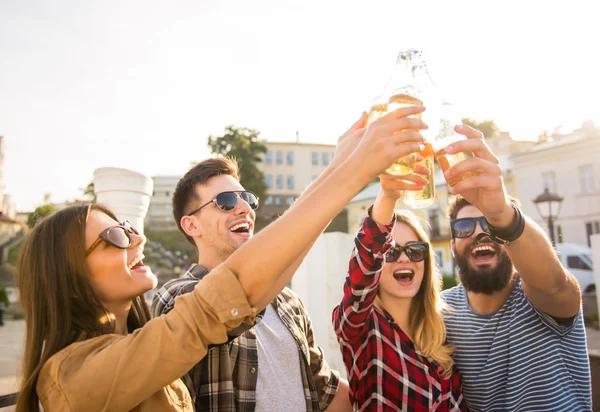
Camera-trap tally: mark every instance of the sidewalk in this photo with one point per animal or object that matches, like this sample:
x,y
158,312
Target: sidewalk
x,y
12,335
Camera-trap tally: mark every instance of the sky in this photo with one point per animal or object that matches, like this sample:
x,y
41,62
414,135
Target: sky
x,y
142,84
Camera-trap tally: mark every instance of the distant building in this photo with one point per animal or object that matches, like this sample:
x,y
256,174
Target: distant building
x,y
160,213
569,166
289,167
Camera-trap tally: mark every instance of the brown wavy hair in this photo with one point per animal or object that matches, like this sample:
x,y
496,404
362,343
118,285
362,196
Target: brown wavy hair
x,y
59,303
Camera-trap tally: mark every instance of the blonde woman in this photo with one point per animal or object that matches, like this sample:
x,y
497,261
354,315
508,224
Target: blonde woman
x,y
389,324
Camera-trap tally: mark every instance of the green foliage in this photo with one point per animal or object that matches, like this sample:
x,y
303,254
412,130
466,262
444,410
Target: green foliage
x,y
244,145
4,297
448,281
88,193
13,254
489,128
39,213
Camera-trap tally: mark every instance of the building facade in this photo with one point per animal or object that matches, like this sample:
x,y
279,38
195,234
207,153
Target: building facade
x,y
160,212
569,166
289,167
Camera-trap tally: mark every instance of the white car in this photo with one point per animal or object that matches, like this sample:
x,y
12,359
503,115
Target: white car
x,y
577,259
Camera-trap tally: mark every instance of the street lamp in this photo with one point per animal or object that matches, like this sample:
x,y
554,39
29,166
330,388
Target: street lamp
x,y
548,205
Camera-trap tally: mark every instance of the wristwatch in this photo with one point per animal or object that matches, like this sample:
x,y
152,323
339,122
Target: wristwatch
x,y
512,232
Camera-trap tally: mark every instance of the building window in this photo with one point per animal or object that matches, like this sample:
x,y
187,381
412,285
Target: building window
x,y
279,157
549,181
269,201
314,177
290,182
325,158
269,181
167,193
277,200
586,179
279,182
591,228
268,157
315,158
289,200
290,158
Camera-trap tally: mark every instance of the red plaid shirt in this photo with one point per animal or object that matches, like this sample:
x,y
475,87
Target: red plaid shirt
x,y
385,369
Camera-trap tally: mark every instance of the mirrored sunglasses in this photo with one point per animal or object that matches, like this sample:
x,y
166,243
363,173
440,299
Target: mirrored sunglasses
x,y
227,201
465,227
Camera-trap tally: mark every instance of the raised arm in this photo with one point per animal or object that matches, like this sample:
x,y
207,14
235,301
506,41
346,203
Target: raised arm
x,y
372,241
345,146
547,284
261,262
364,271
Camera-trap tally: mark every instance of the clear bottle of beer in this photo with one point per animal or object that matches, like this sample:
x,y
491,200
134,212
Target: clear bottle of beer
x,y
422,89
446,136
403,91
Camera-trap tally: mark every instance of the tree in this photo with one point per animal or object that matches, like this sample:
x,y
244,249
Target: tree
x,y
39,213
244,145
489,128
88,192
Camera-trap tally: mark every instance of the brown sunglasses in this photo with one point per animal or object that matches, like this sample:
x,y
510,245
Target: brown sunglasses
x,y
117,236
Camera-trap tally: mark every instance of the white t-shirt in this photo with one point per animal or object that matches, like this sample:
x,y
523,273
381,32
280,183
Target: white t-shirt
x,y
279,381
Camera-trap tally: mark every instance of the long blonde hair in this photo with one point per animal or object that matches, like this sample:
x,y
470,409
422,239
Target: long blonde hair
x,y
425,315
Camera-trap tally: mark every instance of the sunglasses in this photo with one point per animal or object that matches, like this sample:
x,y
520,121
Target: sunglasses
x,y
415,251
465,227
118,236
227,201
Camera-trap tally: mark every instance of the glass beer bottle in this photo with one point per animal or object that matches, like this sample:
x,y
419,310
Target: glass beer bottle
x,y
420,199
378,108
404,92
425,89
446,136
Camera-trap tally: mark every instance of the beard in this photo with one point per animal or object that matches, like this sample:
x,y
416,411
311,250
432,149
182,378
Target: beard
x,y
484,279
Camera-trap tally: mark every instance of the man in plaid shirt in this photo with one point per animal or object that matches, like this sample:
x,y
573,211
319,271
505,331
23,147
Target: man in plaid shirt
x,y
275,365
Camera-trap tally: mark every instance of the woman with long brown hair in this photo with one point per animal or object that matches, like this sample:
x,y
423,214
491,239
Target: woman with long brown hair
x,y
89,342
389,323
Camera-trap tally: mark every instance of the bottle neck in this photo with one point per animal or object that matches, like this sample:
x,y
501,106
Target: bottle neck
x,y
410,73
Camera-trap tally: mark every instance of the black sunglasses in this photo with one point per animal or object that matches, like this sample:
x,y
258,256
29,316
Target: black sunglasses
x,y
465,227
415,251
117,236
227,201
